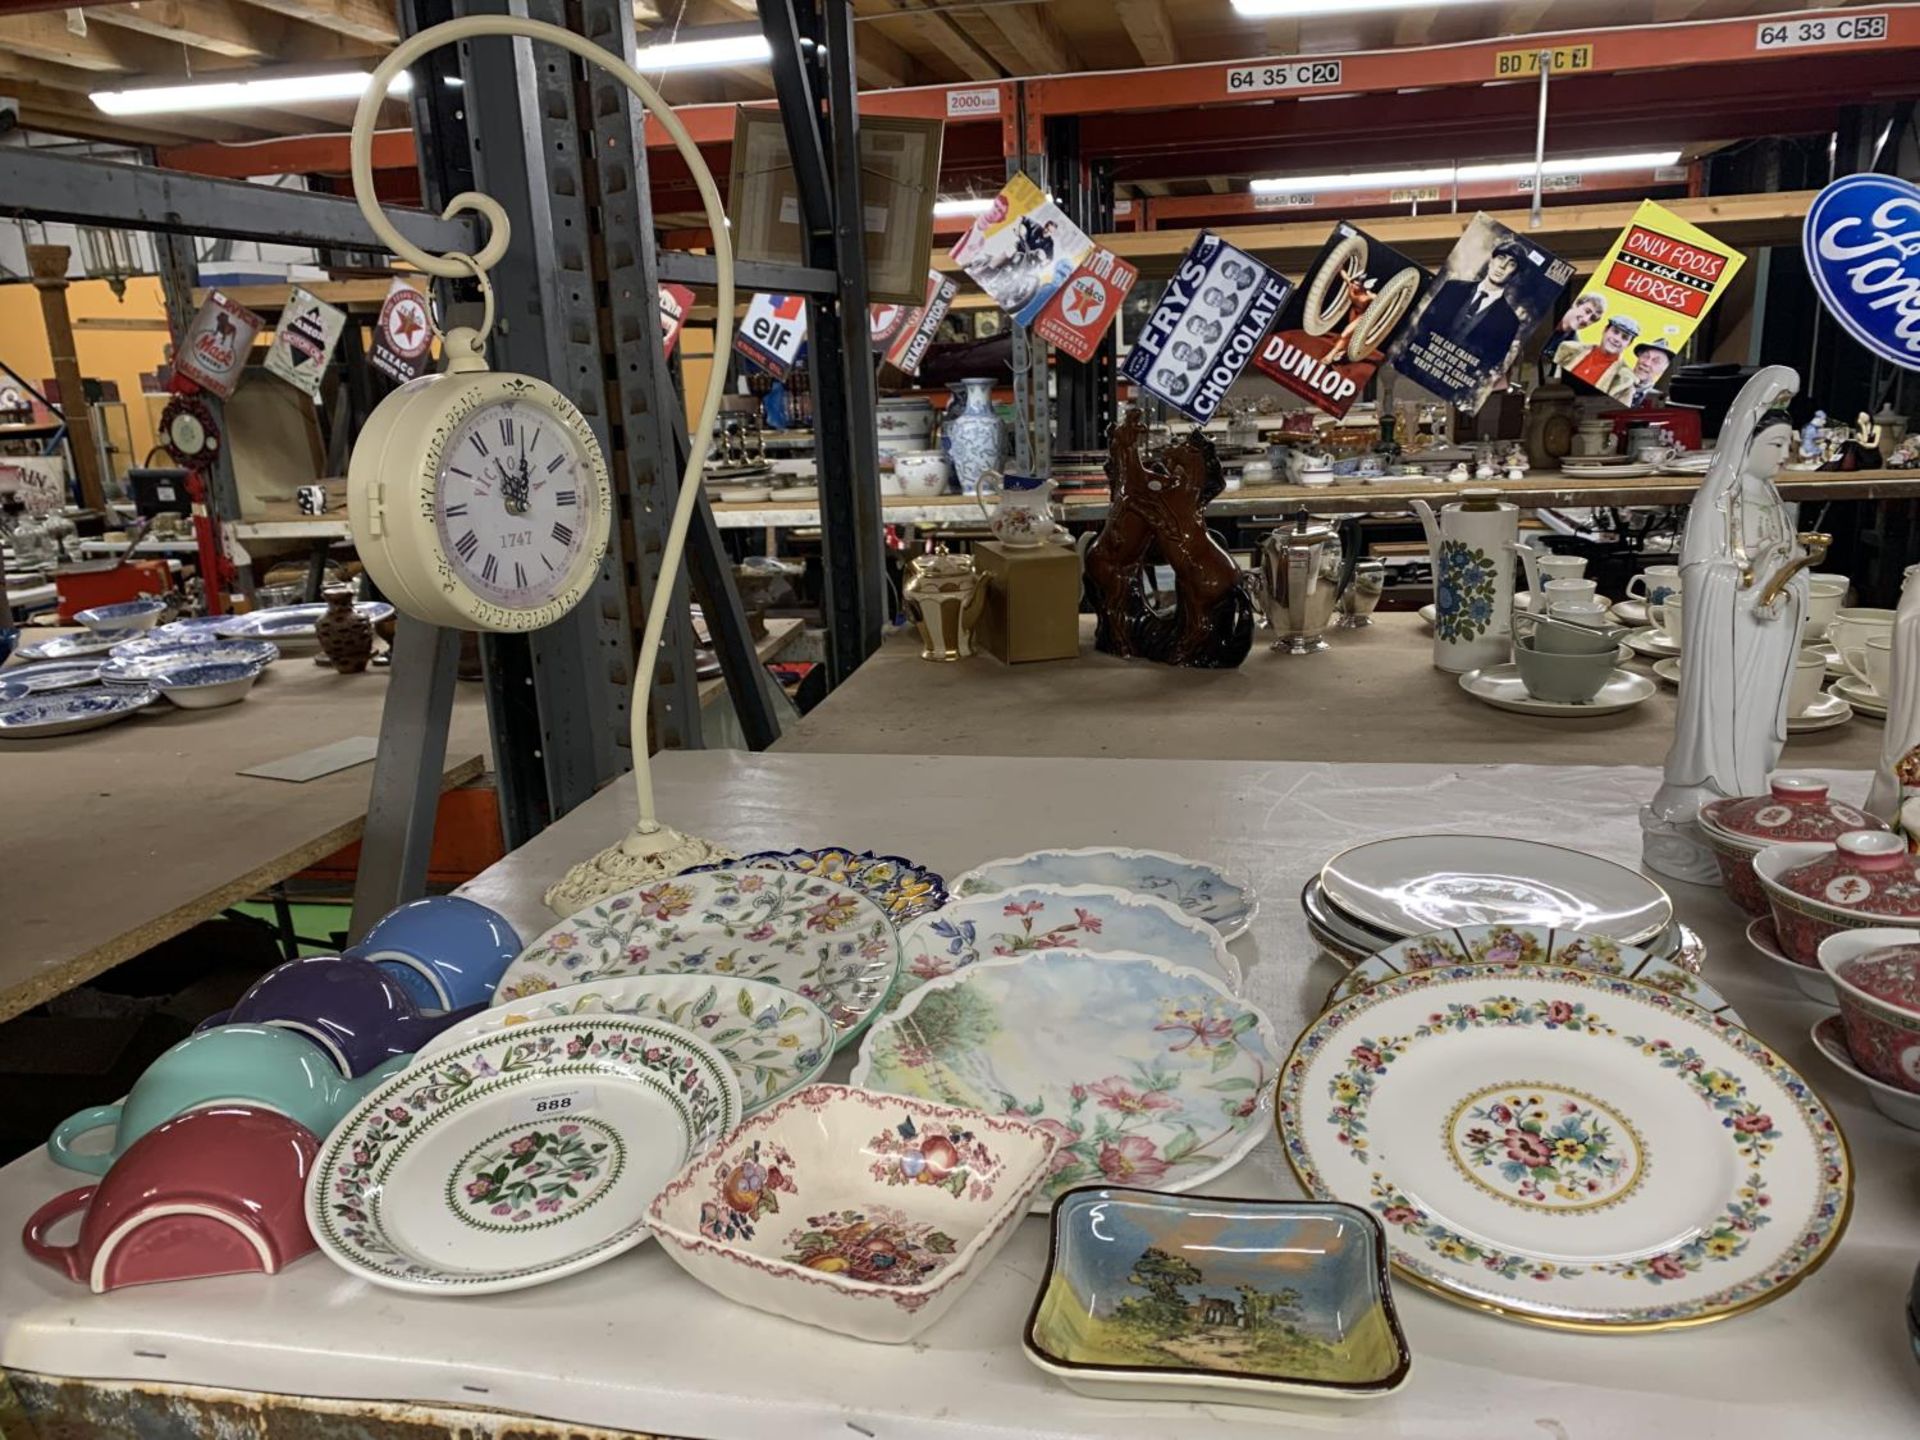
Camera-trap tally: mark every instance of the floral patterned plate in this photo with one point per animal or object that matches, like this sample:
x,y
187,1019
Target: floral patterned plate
x,y
822,940
900,887
775,1040
1148,1074
518,1157
1532,945
1206,892
1566,1148
1057,917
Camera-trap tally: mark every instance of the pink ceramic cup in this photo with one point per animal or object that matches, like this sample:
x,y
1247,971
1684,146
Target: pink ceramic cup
x,y
219,1191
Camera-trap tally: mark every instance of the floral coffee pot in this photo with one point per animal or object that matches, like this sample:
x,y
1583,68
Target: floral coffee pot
x,y
1022,513
1472,550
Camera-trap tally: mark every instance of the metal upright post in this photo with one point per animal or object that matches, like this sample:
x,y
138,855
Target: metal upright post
x,y
1032,408
1084,393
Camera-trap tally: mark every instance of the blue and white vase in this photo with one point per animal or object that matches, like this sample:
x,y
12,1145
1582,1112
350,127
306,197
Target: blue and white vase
x,y
975,438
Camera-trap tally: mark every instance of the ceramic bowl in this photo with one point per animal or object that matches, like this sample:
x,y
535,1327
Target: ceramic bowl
x,y
445,950
1562,679
862,1213
1879,995
1809,980
211,1192
207,685
127,615
1898,1105
1863,880
1241,1302
920,473
274,1069
1797,810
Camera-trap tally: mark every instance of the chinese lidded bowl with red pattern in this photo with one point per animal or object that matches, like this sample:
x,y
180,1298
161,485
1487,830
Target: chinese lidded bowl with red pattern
x,y
1879,994
1796,811
1864,879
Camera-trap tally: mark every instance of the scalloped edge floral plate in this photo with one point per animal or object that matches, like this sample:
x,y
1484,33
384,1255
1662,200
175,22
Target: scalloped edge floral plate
x,y
1459,1223
1530,944
904,889
552,1070
776,1040
1141,872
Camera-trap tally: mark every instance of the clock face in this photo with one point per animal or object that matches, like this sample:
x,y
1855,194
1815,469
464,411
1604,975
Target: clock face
x,y
516,500
187,433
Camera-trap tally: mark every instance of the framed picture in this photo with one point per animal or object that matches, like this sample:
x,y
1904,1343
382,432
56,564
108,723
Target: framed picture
x,y
899,177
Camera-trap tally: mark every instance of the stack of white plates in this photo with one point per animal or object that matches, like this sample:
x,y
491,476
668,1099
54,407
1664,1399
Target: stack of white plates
x,y
1374,895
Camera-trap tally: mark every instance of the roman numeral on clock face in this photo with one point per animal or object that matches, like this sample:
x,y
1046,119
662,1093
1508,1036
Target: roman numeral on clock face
x,y
568,498
479,444
555,463
466,545
454,512
563,532
491,568
506,429
519,575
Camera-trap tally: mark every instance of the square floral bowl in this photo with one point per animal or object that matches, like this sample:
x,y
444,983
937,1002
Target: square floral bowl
x,y
851,1210
1216,1301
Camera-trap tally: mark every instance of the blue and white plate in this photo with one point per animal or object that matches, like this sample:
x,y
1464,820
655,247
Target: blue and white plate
x,y
38,717
49,677
195,625
898,886
127,615
1206,892
292,622
75,647
144,664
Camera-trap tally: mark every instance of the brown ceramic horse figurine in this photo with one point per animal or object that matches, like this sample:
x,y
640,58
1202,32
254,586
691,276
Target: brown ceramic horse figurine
x,y
1157,507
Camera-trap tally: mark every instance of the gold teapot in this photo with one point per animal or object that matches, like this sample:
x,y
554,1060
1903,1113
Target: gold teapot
x,y
945,595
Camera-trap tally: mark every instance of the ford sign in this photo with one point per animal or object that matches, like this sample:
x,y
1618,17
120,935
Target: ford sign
x,y
1862,241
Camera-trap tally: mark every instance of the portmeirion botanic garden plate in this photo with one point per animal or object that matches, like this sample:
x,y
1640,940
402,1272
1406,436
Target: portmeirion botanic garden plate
x,y
818,939
775,1040
518,1157
1566,1148
900,887
1147,1074
1531,945
1410,884
1206,892
1057,917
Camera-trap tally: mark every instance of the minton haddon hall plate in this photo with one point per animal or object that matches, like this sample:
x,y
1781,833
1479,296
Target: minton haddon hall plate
x,y
1567,1148
822,940
1146,1073
518,1157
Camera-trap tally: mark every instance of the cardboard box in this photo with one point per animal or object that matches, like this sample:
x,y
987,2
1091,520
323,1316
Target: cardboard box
x,y
1033,601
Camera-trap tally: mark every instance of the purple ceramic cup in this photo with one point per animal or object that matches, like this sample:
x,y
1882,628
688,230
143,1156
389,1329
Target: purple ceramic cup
x,y
353,1009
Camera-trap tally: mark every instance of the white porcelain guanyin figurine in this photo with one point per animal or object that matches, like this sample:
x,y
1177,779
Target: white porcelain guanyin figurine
x,y
1741,570
1898,777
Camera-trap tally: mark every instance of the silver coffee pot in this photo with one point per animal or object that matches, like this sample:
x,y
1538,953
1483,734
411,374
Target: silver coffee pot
x,y
1296,580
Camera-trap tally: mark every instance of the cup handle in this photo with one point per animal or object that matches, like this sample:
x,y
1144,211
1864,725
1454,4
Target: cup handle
x,y
1657,614
1641,593
60,1144
64,1258
980,491
1855,659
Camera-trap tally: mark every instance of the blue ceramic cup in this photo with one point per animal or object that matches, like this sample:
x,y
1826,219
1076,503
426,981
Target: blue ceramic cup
x,y
445,950
258,1065
352,1009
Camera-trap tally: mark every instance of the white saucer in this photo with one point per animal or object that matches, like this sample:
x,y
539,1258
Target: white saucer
x,y
1667,671
1825,713
1428,614
1900,1106
1631,612
1652,642
1500,686
1854,691
1810,980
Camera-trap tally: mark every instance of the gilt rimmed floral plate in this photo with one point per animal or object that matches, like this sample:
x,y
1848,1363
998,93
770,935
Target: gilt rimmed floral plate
x,y
1531,945
518,1157
1147,1074
900,887
821,940
1565,1148
1206,892
1057,917
1410,884
775,1040
67,712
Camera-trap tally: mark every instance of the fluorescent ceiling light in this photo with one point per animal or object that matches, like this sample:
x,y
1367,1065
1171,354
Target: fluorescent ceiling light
x,y
963,207
703,54
1465,174
1295,9
236,94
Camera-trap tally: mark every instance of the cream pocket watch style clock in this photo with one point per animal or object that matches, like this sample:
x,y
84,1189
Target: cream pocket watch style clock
x,y
479,500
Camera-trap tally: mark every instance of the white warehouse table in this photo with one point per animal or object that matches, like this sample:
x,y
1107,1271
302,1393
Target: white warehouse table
x,y
638,1345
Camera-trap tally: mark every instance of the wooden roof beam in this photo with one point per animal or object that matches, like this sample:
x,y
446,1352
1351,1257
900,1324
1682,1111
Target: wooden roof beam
x,y
43,35
959,48
62,112
879,63
221,26
1151,30
1034,42
369,20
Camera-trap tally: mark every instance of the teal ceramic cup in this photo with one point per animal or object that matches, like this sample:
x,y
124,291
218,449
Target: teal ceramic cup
x,y
256,1065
